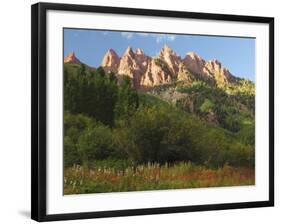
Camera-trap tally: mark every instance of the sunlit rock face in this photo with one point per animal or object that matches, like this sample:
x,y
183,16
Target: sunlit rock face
x,y
71,58
111,61
166,67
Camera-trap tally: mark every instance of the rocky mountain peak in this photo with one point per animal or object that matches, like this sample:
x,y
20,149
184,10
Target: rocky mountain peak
x,y
111,54
215,63
111,51
194,56
211,70
139,51
195,64
130,65
170,58
110,61
163,68
220,74
71,58
129,51
166,50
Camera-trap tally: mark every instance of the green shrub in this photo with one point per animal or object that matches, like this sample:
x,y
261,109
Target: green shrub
x,y
206,106
95,143
70,153
74,125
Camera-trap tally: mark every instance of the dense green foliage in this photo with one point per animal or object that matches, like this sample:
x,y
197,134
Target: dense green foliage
x,y
90,93
231,108
106,119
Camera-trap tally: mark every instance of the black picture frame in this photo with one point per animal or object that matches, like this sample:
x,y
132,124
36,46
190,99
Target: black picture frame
x,y
39,107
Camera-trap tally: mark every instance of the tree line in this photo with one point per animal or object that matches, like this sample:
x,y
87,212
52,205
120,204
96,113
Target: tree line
x,y
105,118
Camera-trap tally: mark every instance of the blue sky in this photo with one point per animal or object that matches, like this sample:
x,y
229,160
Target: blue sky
x,y
235,53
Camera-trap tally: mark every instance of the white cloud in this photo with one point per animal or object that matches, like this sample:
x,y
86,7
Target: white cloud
x,y
164,38
159,38
143,34
171,37
127,35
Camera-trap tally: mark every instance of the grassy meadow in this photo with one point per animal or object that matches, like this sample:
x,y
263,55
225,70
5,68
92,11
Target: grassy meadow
x,y
153,177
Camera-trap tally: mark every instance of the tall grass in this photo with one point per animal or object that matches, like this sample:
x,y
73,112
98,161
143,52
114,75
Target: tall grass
x,y
152,176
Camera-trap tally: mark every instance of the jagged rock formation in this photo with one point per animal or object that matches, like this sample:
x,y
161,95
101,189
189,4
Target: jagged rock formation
x,y
164,68
71,58
156,74
171,59
111,61
196,65
220,74
211,71
134,65
184,74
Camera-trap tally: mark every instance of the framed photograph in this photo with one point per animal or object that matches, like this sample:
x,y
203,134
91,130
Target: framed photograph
x,y
140,111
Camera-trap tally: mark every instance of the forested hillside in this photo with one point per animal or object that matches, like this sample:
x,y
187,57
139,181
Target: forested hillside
x,y
194,128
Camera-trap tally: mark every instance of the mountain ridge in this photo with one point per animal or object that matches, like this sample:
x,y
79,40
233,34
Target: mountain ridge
x,y
164,68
